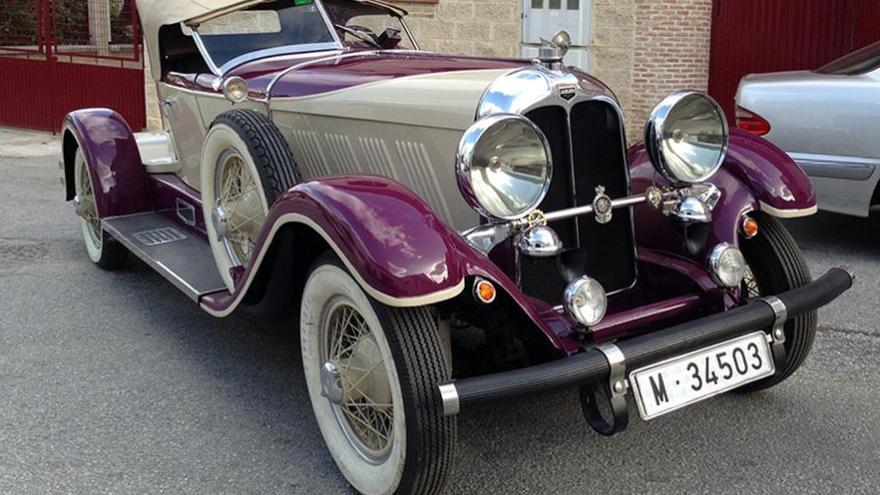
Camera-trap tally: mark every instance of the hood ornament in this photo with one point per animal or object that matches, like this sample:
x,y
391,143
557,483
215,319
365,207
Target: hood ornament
x,y
551,52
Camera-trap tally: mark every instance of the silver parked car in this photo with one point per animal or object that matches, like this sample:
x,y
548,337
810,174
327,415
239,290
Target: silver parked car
x,y
826,120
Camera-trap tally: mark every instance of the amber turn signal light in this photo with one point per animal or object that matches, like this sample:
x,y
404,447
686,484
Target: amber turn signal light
x,y
484,291
750,227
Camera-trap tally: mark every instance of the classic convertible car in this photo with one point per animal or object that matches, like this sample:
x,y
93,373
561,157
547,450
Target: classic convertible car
x,y
446,230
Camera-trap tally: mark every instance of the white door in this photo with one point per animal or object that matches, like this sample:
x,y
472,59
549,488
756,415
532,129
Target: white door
x,y
544,18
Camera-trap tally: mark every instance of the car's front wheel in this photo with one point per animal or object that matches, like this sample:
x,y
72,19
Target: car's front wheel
x,y
777,265
372,373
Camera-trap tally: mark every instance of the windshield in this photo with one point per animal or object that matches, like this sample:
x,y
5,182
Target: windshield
x,y
285,26
266,26
858,62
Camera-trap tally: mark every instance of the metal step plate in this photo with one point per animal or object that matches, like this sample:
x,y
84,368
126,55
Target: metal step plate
x,y
185,260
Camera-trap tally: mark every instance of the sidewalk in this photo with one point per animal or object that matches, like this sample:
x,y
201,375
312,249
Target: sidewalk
x,y
21,143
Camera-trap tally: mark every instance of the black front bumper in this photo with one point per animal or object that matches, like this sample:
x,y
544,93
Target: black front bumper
x,y
592,366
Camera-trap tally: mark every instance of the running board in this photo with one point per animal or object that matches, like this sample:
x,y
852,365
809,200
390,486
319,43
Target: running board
x,y
182,258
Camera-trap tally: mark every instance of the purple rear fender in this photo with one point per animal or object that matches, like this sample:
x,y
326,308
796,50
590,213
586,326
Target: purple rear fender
x,y
111,154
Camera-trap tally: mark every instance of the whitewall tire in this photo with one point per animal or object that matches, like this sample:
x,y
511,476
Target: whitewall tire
x,y
372,374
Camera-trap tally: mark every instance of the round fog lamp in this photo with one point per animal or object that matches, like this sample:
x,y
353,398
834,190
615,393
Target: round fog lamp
x,y
727,265
585,301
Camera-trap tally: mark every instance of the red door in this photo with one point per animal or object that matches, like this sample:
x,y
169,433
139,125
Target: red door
x,y
756,36
57,56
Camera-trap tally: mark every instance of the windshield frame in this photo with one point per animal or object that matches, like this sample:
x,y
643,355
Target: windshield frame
x,y
336,45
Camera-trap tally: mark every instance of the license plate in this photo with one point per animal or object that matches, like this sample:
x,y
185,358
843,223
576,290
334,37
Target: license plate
x,y
683,380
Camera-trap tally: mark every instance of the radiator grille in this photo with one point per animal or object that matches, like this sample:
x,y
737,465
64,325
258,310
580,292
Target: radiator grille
x,y
588,151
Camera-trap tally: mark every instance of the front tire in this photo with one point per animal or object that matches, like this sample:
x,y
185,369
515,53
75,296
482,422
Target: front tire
x,y
372,372
777,265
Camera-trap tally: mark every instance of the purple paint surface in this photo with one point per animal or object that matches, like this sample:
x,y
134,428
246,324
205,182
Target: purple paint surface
x,y
113,159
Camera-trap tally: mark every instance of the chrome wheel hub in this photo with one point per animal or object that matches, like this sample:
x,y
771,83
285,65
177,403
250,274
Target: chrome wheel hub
x,y
240,210
331,383
221,223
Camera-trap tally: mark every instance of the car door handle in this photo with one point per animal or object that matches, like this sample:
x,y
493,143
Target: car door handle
x,y
168,103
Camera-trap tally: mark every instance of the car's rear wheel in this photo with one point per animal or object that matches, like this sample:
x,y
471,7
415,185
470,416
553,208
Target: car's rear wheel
x,y
372,373
776,265
246,166
103,250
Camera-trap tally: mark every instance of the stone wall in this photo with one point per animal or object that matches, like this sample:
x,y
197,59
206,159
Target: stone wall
x,y
467,27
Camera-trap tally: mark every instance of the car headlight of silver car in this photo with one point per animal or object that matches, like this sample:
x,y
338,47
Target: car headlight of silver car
x,y
686,137
504,166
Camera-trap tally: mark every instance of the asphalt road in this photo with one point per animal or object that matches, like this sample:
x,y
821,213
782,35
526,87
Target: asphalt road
x,y
116,383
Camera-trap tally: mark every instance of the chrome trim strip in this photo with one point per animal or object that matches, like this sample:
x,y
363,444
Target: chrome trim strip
x,y
280,50
204,51
588,209
839,170
449,396
329,23
781,313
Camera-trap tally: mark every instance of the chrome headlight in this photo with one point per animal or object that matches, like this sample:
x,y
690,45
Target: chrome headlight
x,y
504,166
686,137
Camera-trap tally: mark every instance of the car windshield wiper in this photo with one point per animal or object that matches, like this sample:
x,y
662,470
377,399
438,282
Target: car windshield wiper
x,y
360,32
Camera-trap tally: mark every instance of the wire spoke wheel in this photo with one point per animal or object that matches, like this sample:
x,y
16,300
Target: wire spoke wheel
x,y
372,372
366,409
240,199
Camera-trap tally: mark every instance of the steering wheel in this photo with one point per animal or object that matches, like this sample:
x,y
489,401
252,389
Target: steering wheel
x,y
360,32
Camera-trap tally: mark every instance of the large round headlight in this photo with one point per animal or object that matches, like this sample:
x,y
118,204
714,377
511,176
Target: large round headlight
x,y
686,137
504,166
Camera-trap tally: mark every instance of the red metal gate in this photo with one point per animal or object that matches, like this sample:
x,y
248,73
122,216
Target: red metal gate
x,y
60,55
755,36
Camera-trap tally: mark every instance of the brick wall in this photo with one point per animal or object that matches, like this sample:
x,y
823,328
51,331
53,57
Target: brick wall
x,y
672,39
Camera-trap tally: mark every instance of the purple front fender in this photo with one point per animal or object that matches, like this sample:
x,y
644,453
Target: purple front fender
x,y
756,176
391,241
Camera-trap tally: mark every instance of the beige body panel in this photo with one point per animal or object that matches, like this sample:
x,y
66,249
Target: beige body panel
x,y
407,129
188,115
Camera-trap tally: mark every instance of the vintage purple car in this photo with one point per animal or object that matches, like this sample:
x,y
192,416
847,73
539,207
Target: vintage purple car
x,y
447,230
